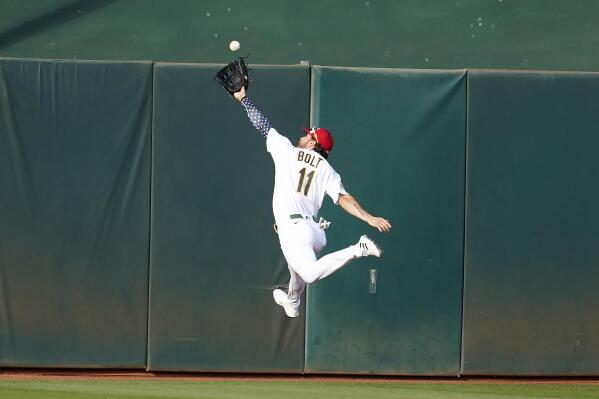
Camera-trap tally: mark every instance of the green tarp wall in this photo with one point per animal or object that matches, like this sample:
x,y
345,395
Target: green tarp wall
x,y
532,232
508,158
400,148
74,213
215,256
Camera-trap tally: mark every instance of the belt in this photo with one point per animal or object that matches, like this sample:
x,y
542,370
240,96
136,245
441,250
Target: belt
x,y
323,223
298,216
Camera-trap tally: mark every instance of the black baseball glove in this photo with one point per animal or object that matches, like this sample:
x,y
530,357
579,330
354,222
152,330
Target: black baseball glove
x,y
234,76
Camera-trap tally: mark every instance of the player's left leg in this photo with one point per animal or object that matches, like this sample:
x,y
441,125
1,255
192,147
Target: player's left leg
x,y
291,300
296,288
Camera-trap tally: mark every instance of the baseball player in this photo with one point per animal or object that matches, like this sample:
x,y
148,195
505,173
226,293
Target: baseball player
x,y
302,178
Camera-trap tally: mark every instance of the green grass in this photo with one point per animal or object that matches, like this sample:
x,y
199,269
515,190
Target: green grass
x,y
150,389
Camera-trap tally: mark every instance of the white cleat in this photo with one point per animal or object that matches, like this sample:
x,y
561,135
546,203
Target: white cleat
x,y
281,299
368,247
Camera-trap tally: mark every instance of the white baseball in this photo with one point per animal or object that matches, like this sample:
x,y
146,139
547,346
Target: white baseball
x,y
234,45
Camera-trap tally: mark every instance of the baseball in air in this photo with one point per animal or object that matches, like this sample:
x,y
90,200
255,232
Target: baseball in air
x,y
234,45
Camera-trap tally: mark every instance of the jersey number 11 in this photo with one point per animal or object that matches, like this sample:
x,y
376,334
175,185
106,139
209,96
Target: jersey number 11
x,y
309,177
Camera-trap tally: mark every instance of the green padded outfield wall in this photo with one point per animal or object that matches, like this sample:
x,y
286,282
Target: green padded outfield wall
x,y
400,148
215,257
532,227
74,213
517,34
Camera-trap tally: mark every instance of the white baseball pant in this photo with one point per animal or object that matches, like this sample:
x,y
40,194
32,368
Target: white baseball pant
x,y
300,241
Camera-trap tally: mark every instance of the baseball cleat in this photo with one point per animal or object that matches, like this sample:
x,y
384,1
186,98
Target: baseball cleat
x,y
281,299
368,247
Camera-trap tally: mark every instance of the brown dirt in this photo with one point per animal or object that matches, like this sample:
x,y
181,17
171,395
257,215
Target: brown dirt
x,y
29,375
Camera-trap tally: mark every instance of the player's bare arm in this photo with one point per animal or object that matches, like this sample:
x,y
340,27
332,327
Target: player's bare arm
x,y
239,95
351,206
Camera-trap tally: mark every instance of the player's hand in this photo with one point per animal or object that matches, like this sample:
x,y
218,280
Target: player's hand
x,y
239,95
380,224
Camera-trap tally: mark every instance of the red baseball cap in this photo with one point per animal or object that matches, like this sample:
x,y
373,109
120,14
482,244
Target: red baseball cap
x,y
322,137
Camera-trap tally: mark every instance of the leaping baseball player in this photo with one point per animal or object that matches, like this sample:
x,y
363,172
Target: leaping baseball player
x,y
302,178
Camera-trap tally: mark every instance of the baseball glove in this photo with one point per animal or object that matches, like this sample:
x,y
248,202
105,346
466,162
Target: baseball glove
x,y
234,76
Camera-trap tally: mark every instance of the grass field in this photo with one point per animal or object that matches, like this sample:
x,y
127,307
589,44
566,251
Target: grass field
x,y
156,388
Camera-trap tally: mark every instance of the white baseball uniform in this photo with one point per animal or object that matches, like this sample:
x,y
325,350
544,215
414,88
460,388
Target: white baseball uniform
x,y
302,178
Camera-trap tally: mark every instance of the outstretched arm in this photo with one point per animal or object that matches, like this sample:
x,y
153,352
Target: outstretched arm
x,y
351,206
259,121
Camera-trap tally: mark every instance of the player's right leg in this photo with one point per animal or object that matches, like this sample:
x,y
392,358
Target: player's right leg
x,y
302,259
368,247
